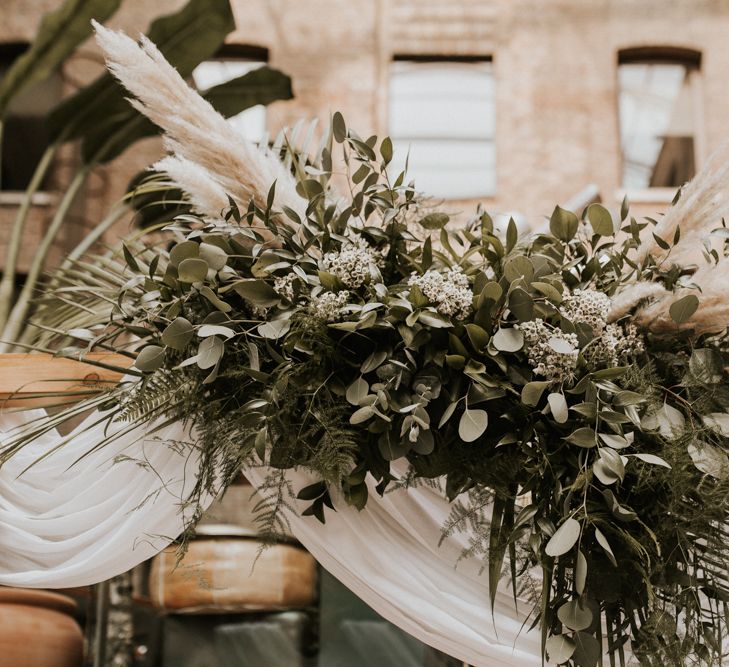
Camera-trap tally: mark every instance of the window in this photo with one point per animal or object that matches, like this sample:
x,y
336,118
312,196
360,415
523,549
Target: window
x,y
231,62
25,133
657,102
442,111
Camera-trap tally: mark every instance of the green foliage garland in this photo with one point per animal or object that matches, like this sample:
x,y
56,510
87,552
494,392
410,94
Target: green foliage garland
x,y
374,331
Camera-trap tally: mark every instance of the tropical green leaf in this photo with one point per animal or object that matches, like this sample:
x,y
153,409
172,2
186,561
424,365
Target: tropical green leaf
x,y
261,86
100,111
61,32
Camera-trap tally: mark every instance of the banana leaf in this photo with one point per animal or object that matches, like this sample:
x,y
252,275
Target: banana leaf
x,y
260,86
60,32
100,110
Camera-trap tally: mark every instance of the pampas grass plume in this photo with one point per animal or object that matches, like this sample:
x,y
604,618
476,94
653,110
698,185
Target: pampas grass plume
x,y
209,158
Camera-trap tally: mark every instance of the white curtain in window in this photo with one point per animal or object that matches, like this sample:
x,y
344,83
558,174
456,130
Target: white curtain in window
x,y
441,119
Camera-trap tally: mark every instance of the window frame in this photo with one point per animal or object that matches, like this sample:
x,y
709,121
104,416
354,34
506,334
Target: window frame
x,y
240,52
43,196
692,60
487,194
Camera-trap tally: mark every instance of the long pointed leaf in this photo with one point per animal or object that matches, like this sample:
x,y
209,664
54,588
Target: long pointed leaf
x,y
186,38
60,32
260,86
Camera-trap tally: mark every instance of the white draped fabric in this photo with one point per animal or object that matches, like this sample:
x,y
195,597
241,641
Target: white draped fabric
x,y
69,520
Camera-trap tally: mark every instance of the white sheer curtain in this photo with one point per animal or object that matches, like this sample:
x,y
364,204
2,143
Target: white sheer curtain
x,y
71,520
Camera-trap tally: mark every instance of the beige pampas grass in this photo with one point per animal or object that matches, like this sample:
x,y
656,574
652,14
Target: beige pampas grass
x,y
632,295
206,195
209,157
704,202
712,315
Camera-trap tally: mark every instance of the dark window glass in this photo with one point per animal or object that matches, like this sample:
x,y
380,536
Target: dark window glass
x,y
25,132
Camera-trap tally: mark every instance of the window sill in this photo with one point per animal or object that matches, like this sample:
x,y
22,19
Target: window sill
x,y
15,198
647,195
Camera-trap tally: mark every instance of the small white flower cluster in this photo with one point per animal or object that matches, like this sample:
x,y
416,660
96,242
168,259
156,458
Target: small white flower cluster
x,y
552,353
328,305
284,285
588,307
449,292
616,346
354,264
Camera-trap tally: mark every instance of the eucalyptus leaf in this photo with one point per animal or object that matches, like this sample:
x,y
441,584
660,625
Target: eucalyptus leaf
x,y
582,437
558,406
652,459
274,329
178,334
709,458
564,538
150,358
192,270
215,257
587,650
532,392
258,292
574,615
472,424
508,340
580,572
363,414
434,221
210,352
600,219
521,304
603,542
559,648
215,330
682,309
563,224
357,391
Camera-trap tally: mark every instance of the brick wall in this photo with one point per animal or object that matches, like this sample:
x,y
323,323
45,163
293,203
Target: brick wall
x,y
555,65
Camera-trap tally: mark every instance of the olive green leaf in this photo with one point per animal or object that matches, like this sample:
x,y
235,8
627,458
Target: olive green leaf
x,y
564,538
472,424
150,358
60,32
682,309
178,334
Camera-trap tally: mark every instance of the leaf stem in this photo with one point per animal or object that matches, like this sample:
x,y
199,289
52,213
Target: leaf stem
x,y
17,316
7,283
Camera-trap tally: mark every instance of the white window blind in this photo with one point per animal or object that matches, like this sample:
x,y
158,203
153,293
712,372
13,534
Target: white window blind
x,y
443,113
